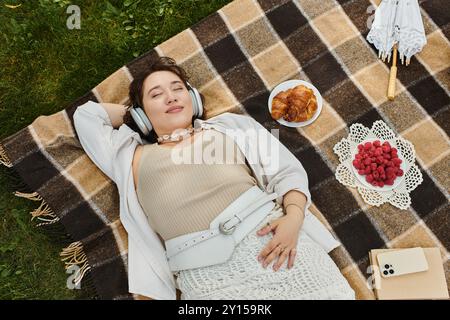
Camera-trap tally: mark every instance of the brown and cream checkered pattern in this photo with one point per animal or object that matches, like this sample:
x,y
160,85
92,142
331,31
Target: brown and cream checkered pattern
x,y
235,57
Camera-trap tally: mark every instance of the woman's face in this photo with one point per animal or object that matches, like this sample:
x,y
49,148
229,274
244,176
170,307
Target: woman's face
x,y
163,90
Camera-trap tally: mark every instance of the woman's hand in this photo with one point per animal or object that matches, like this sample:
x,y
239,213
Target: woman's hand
x,y
283,245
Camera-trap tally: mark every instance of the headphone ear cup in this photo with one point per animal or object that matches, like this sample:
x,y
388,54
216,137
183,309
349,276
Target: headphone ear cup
x,y
141,120
197,103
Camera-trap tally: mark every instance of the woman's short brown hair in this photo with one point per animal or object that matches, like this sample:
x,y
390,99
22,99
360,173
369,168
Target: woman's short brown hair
x,y
135,93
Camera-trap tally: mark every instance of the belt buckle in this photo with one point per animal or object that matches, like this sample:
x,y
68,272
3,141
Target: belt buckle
x,y
227,231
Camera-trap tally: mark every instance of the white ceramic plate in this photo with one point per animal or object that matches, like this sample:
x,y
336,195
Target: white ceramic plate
x,y
362,179
291,84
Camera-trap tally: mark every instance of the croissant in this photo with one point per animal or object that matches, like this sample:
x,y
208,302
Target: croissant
x,y
311,107
279,104
295,114
301,95
294,105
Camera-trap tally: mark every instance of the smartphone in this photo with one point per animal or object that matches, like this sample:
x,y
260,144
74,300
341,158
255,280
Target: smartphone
x,y
402,261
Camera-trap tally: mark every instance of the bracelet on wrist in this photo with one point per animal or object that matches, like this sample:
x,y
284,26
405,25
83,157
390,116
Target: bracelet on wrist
x,y
293,204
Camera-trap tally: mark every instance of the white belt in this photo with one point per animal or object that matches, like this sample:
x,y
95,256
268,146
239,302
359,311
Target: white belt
x,y
216,244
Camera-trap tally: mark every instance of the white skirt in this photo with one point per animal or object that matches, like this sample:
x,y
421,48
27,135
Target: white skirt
x,y
313,276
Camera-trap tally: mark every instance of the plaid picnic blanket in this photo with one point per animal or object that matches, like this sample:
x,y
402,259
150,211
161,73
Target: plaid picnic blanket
x,y
235,57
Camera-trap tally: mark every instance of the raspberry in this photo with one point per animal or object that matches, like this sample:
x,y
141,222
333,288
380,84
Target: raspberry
x,y
379,162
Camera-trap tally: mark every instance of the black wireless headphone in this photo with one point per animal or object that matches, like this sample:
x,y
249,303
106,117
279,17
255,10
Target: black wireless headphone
x,y
143,123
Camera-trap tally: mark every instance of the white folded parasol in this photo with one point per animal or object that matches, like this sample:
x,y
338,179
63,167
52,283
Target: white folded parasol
x,y
398,26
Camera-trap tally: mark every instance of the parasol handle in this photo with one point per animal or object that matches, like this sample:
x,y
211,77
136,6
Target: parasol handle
x,y
392,75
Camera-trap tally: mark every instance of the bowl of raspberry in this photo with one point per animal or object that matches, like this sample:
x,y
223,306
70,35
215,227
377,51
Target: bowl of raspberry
x,y
378,165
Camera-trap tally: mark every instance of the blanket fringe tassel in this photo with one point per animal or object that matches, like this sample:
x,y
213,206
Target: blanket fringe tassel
x,y
43,212
74,255
4,160
71,255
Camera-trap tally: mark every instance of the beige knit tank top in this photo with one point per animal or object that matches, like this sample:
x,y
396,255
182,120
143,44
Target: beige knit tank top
x,y
182,189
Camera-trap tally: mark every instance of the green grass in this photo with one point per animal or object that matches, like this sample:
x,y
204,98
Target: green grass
x,y
43,67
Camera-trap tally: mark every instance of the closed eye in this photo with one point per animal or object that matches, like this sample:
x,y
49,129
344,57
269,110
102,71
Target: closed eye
x,y
177,89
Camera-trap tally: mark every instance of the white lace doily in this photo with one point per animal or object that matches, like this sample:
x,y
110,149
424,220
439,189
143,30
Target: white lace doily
x,y
398,194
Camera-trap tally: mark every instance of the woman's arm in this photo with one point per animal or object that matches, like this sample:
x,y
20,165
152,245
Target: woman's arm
x,y
94,124
284,173
294,203
116,112
286,231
